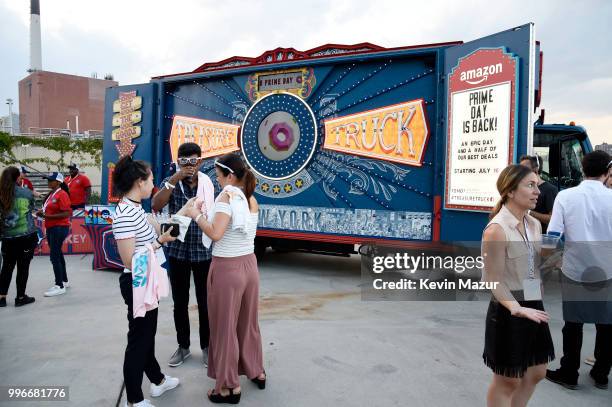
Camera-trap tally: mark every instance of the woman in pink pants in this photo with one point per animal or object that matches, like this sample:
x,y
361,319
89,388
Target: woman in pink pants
x,y
233,281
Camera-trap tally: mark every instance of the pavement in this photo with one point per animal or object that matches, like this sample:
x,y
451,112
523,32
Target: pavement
x,y
323,345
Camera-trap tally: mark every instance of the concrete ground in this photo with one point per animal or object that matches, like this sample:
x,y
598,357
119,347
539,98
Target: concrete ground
x,y
323,346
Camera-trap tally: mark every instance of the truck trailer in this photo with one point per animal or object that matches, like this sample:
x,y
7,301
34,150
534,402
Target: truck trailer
x,y
356,144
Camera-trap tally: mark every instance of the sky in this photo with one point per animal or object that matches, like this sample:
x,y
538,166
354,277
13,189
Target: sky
x,y
136,40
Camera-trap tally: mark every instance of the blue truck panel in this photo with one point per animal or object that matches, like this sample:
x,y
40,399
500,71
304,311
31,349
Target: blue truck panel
x,y
336,196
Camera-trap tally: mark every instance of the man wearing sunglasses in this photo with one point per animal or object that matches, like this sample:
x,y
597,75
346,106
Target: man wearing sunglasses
x,y
188,256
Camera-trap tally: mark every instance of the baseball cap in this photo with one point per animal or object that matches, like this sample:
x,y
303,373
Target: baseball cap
x,y
55,176
24,170
75,166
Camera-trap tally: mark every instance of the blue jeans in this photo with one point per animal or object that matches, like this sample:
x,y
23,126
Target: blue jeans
x,y
55,237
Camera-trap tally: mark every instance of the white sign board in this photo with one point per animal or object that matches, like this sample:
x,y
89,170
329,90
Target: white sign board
x,y
480,129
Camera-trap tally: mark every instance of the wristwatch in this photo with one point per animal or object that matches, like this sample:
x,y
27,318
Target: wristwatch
x,y
169,186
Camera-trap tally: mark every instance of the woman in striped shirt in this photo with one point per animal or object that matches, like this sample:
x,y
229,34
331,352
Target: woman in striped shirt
x,y
233,282
133,181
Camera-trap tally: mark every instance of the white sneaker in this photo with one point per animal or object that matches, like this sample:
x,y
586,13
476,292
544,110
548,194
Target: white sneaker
x,y
169,383
143,403
66,284
55,290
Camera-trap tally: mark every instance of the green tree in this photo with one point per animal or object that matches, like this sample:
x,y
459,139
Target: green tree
x,y
88,152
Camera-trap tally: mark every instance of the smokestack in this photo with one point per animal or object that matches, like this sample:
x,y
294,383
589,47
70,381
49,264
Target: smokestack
x,y
35,43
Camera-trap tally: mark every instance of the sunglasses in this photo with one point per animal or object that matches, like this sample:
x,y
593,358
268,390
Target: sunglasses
x,y
187,161
224,166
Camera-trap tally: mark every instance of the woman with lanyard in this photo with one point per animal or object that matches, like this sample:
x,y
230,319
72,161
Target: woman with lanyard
x,y
56,212
133,181
233,281
518,344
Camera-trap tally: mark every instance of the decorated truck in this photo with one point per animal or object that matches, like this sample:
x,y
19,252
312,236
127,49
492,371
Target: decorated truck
x,y
355,144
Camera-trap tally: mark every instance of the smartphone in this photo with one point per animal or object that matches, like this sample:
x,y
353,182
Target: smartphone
x,y
175,229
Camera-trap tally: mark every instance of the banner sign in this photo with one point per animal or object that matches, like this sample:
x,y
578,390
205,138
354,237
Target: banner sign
x,y
395,133
481,127
360,222
214,138
99,214
300,82
77,241
279,81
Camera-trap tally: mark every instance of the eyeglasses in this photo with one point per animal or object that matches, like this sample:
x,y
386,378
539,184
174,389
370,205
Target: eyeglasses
x,y
224,166
187,161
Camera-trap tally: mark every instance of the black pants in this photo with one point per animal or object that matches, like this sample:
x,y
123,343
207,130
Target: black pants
x,y
572,344
17,251
55,237
140,349
180,275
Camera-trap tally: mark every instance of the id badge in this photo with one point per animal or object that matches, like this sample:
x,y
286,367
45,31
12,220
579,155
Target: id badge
x,y
532,289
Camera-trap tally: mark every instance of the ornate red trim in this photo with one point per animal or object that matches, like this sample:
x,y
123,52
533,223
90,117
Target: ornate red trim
x,y
280,55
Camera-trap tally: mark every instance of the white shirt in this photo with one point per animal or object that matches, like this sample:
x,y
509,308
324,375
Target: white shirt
x,y
235,242
583,214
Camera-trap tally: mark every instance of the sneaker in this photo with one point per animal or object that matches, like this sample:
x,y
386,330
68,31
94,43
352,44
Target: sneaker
x,y
66,284
3,302
25,300
169,383
143,403
205,357
55,290
590,360
557,376
600,383
178,357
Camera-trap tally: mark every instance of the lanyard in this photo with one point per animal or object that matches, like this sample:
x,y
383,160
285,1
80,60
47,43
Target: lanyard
x,y
72,179
44,208
530,251
183,190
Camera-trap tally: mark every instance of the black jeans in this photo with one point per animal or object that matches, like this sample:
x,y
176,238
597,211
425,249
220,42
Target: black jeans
x,y
55,237
572,344
17,251
140,350
180,274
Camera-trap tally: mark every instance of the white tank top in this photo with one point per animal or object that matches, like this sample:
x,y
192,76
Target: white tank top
x,y
235,243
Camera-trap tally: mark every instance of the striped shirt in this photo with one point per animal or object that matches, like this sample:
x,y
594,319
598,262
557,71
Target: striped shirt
x,y
130,221
235,243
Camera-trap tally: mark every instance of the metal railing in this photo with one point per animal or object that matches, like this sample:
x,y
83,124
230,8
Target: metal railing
x,y
38,132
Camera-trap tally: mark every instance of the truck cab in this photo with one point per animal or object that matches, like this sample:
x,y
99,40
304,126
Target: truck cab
x,y
561,148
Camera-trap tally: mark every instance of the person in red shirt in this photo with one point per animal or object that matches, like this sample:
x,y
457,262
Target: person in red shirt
x,y
57,211
80,187
23,180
